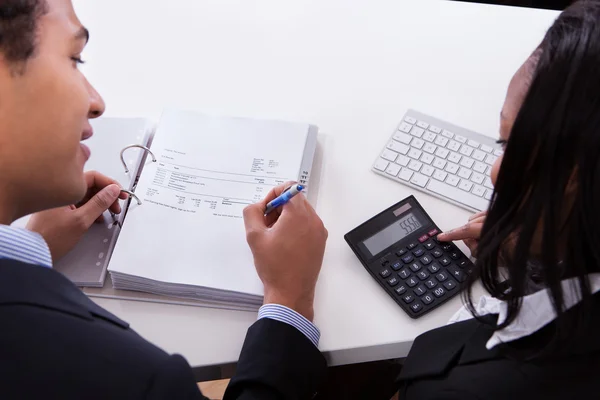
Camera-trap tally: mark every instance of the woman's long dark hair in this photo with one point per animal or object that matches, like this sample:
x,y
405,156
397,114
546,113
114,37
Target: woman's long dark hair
x,y
548,187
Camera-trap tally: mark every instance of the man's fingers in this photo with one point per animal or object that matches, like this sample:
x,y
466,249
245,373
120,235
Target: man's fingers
x,y
472,230
254,218
478,215
99,203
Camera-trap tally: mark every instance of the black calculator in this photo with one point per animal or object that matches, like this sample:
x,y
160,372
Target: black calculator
x,y
399,248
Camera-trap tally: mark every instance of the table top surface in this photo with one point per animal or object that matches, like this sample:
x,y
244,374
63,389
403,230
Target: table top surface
x,y
351,67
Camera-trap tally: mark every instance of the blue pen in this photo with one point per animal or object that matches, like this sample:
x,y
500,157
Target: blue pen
x,y
283,198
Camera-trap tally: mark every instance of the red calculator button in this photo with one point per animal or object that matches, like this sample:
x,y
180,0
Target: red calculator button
x,y
423,238
433,232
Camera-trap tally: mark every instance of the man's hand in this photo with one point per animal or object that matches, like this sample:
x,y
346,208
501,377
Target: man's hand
x,y
63,227
288,247
469,233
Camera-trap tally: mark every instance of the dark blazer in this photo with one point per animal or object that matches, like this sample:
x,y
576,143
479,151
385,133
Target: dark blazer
x,y
55,343
453,363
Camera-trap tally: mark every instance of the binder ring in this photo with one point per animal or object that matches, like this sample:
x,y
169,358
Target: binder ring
x,y
131,194
131,146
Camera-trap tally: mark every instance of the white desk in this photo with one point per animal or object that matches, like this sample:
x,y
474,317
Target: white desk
x,y
351,67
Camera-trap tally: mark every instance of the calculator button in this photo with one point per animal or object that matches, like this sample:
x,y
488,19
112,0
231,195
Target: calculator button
x,y
450,284
415,266
385,262
423,275
427,299
437,253
396,266
447,246
408,298
393,281
455,255
464,263
385,273
442,276
400,290
405,273
418,252
457,273
420,290
408,258
433,232
445,261
434,267
426,260
412,246
423,238
412,281
416,307
401,252
430,283
439,292
429,245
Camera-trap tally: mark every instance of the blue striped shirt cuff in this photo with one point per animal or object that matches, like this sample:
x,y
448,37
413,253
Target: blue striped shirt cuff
x,y
288,316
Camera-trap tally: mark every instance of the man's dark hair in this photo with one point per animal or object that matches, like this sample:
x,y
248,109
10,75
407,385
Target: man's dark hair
x,y
548,187
18,28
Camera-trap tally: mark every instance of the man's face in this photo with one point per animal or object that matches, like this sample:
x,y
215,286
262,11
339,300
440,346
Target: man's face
x,y
44,112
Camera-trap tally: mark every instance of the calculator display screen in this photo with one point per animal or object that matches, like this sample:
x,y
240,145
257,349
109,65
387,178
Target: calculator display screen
x,y
392,233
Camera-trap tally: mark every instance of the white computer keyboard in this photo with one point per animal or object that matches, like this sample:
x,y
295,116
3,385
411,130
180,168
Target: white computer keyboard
x,y
441,159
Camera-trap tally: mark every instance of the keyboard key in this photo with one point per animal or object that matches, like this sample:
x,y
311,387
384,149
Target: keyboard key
x,y
393,281
480,167
396,265
403,160
416,307
422,274
441,141
441,276
415,267
467,162
445,261
404,273
412,281
415,165
488,195
398,147
381,164
457,274
448,134
488,183
465,185
402,137
427,158
407,259
450,284
478,155
422,124
460,139
427,299
477,178
434,267
454,146
442,153
417,143
439,163
430,148
452,180
437,253
478,191
385,273
485,148
415,154
452,168
428,136
454,157
405,174
473,143
404,127
430,283
419,252
498,152
440,175
408,298
429,245
416,131
389,155
420,290
393,169
400,290
426,260
464,173
435,129
427,170
490,159
410,120
466,150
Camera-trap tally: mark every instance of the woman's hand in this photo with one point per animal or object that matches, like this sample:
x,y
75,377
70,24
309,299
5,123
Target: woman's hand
x,y
469,233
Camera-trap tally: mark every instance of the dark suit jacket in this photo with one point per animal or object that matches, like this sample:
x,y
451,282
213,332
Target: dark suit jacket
x,y
453,363
55,343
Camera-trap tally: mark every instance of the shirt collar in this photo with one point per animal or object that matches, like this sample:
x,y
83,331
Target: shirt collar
x,y
535,313
23,245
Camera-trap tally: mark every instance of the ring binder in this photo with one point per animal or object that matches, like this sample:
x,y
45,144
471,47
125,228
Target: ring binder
x,y
131,194
131,146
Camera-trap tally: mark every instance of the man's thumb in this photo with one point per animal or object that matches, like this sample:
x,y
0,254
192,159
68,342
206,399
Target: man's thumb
x,y
101,201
